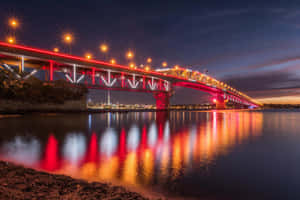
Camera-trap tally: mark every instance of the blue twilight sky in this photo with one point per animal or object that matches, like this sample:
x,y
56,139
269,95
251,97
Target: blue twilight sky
x,y
253,45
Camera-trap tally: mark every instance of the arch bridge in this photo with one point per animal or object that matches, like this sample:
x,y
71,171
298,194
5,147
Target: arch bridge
x,y
103,75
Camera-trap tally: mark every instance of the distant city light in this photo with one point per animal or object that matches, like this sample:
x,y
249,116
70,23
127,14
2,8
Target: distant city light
x,y
149,60
147,68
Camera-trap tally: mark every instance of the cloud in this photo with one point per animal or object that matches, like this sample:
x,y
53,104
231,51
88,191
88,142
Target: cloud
x,y
273,82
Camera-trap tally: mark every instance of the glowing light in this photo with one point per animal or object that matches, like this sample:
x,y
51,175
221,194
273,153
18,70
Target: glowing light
x,y
11,40
88,56
164,64
149,60
133,138
176,67
51,158
129,55
214,100
22,150
68,38
109,142
56,49
103,48
113,61
152,135
132,65
74,148
147,68
13,23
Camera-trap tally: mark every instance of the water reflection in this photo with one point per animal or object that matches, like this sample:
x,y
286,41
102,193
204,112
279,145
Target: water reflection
x,y
137,149
23,150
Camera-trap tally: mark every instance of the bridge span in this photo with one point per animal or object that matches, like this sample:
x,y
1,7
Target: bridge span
x,y
26,61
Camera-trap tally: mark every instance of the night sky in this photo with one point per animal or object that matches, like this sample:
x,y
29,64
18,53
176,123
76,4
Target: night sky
x,y
253,45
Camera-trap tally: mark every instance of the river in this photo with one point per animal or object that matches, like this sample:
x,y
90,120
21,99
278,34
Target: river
x,y
202,155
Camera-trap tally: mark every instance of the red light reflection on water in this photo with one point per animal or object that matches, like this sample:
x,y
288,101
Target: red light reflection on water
x,y
159,153
50,160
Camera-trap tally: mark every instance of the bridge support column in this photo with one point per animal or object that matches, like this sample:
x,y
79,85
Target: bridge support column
x,y
162,100
74,74
21,65
220,102
51,71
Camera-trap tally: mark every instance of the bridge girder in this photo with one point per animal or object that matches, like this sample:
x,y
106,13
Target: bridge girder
x,y
99,74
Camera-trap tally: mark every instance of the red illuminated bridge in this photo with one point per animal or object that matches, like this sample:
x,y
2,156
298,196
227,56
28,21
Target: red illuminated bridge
x,y
102,75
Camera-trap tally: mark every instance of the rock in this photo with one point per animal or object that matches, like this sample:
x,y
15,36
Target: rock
x,y
18,183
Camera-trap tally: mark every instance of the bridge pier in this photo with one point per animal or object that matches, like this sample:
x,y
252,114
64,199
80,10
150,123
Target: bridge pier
x,y
162,100
220,102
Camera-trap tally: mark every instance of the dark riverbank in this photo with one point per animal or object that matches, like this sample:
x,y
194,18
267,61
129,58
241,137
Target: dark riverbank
x,y
76,106
18,182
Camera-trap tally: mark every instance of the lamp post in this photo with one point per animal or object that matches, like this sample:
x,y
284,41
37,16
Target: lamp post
x,y
68,39
104,49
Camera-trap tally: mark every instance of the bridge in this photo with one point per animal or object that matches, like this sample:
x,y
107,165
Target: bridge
x,y
25,62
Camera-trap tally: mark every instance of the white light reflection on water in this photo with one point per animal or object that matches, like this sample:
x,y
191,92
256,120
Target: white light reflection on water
x,y
22,150
167,132
109,142
133,138
152,135
74,147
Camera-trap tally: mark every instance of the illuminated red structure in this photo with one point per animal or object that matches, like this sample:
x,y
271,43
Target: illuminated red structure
x,y
103,75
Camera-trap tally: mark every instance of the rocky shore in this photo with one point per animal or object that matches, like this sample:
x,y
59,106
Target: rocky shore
x,y
17,182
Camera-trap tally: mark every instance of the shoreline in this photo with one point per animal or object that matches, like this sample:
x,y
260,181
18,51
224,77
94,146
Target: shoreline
x,y
18,182
22,112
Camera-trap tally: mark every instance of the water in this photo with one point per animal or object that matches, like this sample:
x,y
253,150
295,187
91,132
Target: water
x,y
201,155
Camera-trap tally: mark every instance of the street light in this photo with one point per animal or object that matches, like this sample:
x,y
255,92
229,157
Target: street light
x,y
103,48
176,67
147,68
131,65
56,50
164,64
13,23
113,61
130,55
88,56
11,40
68,39
149,60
